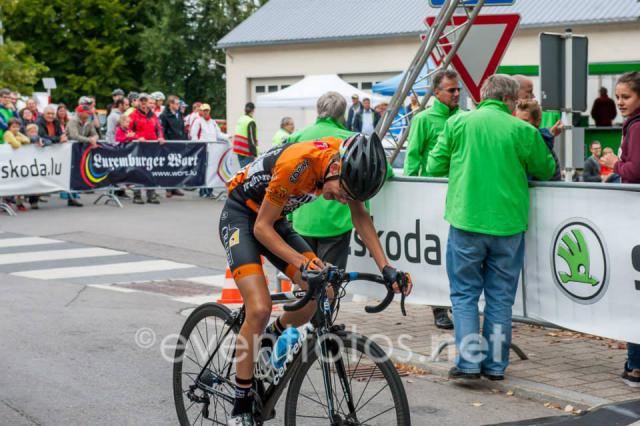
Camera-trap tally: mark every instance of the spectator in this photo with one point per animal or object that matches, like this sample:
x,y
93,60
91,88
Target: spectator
x,y
381,108
425,129
172,121
32,105
591,171
628,167
13,136
606,174
183,108
6,110
206,129
245,141
158,100
93,118
31,132
63,116
144,123
133,102
123,134
366,119
603,110
80,129
115,95
195,113
26,118
525,93
119,107
414,106
49,127
487,154
354,109
146,127
325,225
531,112
286,129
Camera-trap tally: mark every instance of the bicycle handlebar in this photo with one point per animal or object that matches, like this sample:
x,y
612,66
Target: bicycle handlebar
x,y
331,274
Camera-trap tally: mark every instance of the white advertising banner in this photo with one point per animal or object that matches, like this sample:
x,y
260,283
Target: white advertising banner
x,y
409,217
582,264
222,164
34,170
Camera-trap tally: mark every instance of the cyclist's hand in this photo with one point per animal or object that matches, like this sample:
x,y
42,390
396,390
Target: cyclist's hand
x,y
391,275
314,264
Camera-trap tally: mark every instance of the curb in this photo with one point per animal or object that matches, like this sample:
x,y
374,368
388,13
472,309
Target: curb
x,y
522,388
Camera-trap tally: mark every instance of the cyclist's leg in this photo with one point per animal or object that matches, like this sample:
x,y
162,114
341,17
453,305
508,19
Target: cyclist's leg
x,y
243,258
285,230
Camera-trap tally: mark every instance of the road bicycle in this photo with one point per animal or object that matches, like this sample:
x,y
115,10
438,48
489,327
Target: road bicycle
x,y
334,376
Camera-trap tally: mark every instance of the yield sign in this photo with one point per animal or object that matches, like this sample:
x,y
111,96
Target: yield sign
x,y
482,49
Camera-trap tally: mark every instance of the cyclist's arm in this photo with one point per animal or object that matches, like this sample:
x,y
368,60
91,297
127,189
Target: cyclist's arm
x,y
364,227
264,232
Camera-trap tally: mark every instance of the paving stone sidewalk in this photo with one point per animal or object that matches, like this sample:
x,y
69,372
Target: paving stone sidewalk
x,y
563,366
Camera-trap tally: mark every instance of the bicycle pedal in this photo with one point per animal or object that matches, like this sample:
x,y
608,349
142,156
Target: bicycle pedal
x,y
338,327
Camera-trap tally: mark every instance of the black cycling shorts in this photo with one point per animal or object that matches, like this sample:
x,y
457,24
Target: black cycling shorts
x,y
244,250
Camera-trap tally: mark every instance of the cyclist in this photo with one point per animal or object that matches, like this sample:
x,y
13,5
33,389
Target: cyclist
x,y
253,223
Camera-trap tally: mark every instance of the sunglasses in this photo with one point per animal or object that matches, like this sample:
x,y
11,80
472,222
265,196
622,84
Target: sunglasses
x,y
453,90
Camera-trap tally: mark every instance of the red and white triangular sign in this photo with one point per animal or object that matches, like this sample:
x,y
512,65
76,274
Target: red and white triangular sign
x,y
482,49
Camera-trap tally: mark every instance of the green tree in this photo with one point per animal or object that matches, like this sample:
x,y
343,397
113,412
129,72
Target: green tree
x,y
19,70
90,46
180,53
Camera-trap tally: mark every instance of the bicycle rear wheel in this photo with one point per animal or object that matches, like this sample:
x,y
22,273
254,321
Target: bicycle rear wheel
x,y
206,330
359,365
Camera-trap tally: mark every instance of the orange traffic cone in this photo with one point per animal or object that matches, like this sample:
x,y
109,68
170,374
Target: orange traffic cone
x,y
230,293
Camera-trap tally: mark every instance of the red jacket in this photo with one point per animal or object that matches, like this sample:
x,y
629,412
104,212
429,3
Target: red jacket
x,y
629,165
145,126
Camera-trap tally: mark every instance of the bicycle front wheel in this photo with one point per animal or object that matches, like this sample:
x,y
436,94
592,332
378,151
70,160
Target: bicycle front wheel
x,y
366,388
203,370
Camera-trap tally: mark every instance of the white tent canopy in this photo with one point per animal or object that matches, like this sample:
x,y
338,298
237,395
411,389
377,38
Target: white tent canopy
x,y
305,93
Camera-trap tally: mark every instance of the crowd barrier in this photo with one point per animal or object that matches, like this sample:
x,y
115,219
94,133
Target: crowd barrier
x,y
582,252
80,167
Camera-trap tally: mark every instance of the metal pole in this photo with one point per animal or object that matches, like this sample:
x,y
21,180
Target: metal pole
x,y
1,29
416,66
568,94
445,63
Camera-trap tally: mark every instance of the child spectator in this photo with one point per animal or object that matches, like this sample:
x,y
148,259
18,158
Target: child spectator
x,y
529,110
27,118
32,133
13,136
123,133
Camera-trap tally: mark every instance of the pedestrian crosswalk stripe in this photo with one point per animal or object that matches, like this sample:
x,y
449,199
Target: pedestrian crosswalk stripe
x,y
76,253
112,288
26,241
110,269
212,280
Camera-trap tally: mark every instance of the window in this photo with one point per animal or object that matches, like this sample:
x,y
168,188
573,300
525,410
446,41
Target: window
x,y
260,89
273,88
284,86
366,85
354,84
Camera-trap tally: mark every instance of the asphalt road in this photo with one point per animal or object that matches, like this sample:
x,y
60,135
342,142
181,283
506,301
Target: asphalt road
x,y
69,350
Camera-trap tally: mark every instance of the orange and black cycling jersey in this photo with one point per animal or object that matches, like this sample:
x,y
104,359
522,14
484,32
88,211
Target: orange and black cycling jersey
x,y
288,175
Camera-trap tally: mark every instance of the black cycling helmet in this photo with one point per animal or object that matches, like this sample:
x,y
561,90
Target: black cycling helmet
x,y
364,166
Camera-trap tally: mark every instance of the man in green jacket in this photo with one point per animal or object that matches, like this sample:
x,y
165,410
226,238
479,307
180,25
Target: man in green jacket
x,y
426,127
487,155
325,225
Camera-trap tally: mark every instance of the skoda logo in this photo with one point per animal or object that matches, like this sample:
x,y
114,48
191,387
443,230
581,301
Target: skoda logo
x,y
579,261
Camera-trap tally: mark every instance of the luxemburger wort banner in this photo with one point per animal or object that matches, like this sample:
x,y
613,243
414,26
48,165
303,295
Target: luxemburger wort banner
x,y
169,165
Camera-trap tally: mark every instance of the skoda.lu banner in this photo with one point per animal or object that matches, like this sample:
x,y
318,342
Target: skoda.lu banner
x,y
145,164
582,265
34,170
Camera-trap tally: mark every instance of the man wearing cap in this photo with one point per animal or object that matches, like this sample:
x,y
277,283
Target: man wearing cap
x,y
355,108
115,95
80,129
133,103
206,129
